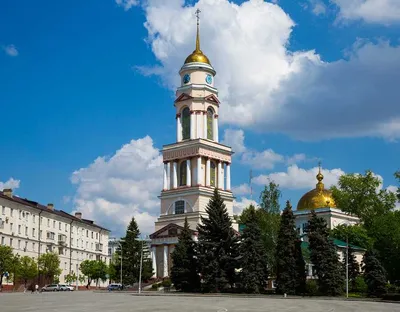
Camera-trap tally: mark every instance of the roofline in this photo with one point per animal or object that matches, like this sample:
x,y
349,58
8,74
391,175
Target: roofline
x,y
60,213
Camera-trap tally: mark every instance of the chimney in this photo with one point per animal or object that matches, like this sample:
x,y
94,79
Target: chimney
x,y
78,215
8,192
50,207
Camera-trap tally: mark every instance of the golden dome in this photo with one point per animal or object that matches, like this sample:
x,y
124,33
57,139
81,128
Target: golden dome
x,y
318,197
197,55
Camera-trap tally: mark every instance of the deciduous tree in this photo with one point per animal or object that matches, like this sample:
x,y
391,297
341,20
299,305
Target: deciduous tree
x,y
184,271
27,269
253,261
218,250
356,235
6,256
49,265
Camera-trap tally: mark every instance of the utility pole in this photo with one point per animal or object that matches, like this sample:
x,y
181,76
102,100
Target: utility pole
x,y
140,270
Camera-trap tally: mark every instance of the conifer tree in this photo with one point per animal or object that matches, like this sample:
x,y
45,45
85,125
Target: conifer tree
x,y
290,262
353,268
184,271
374,274
217,247
253,261
324,257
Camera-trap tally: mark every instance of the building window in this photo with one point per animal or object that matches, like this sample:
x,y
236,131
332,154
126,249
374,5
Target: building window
x,y
33,218
97,235
11,227
304,227
26,231
210,121
48,222
3,210
11,242
182,173
179,207
12,212
87,233
185,123
26,246
92,234
19,244
20,214
66,227
3,240
33,246
54,224
91,246
212,174
19,229
59,225
33,232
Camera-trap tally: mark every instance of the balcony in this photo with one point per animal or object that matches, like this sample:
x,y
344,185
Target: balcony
x,y
62,239
99,247
50,236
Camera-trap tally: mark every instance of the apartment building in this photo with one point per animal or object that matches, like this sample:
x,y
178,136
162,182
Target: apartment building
x,y
32,229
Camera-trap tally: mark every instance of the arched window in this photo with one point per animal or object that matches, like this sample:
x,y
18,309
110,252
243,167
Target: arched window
x,y
179,207
212,174
185,123
182,173
210,125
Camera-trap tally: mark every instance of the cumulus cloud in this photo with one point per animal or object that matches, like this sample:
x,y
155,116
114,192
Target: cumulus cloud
x,y
318,7
297,178
127,4
10,50
113,190
242,189
234,139
266,87
10,183
244,202
371,11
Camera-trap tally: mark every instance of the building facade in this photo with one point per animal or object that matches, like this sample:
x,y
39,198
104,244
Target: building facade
x,y
195,164
32,229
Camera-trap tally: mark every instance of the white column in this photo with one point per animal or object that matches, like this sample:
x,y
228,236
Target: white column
x,y
188,173
215,127
198,170
154,260
222,176
219,170
165,185
192,124
175,175
169,180
228,176
165,260
198,118
205,125
208,168
178,128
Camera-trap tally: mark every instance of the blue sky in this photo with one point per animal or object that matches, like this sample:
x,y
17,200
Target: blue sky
x,y
86,95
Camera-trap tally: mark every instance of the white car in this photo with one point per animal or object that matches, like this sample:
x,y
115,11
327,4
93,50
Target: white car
x,y
64,287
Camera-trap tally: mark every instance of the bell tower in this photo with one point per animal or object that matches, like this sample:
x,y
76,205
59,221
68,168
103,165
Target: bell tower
x,y
196,163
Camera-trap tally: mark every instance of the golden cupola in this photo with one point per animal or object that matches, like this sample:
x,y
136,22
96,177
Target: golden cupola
x,y
197,55
318,197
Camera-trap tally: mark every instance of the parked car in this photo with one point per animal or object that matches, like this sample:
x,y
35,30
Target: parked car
x,y
64,287
114,287
51,287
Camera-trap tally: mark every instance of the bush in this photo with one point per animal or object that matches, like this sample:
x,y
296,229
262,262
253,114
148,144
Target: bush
x,y
392,288
311,287
166,283
155,286
360,285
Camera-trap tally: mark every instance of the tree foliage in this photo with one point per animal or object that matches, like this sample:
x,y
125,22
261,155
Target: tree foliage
x,y
397,176
184,271
360,195
269,198
70,278
253,261
356,235
94,270
49,265
290,263
374,274
324,257
131,254
217,245
27,269
6,256
353,268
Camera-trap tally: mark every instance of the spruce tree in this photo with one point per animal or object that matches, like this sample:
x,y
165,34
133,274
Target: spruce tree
x,y
324,257
217,247
131,253
184,271
374,274
253,261
290,263
353,268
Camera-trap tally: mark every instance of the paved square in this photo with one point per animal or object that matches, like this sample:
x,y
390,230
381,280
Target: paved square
x,y
123,302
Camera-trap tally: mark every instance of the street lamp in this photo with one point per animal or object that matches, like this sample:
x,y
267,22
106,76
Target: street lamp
x,y
120,246
140,270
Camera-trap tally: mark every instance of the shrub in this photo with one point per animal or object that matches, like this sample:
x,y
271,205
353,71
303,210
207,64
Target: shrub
x,y
392,288
312,287
360,285
166,283
154,286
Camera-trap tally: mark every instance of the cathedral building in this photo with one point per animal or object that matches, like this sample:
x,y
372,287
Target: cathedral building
x,y
195,164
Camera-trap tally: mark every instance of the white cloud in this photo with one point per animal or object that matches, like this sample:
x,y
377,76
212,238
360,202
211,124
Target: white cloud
x,y
10,183
242,189
298,178
127,4
244,202
266,159
234,139
372,11
317,7
266,87
112,190
393,189
10,50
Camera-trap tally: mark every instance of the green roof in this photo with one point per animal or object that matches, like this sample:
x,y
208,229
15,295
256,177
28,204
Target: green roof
x,y
337,243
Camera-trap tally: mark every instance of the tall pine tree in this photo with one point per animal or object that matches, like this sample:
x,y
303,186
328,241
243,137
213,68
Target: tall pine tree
x,y
253,261
353,268
374,274
290,263
131,254
184,271
324,257
217,247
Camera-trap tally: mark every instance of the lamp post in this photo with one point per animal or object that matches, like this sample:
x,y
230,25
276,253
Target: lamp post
x,y
347,265
140,270
120,246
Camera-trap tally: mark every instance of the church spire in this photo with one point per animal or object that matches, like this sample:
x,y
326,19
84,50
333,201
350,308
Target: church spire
x,y
198,30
